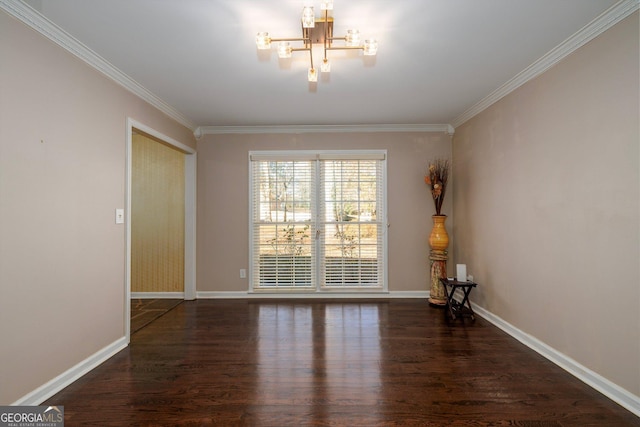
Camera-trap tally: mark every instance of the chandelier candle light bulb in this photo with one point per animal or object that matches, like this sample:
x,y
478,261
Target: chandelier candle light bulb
x,y
312,75
325,67
326,5
353,37
370,47
308,17
263,41
284,50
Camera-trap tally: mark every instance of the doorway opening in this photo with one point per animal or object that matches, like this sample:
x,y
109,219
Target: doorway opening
x,y
157,219
160,224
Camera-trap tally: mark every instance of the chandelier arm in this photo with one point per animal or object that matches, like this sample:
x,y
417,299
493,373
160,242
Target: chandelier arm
x,y
326,33
294,39
345,48
299,49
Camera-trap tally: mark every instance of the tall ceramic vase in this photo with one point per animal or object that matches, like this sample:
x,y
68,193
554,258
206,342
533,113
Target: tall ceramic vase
x,y
439,242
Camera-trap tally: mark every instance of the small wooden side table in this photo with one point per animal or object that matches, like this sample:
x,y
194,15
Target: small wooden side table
x,y
455,308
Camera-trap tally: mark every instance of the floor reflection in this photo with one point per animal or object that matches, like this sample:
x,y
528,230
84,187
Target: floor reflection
x,y
318,358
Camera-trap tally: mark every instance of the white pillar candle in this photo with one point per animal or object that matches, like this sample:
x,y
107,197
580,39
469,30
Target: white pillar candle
x,y
461,272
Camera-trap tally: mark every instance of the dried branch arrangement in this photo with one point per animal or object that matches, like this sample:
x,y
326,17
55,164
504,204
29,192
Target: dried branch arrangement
x,y
436,178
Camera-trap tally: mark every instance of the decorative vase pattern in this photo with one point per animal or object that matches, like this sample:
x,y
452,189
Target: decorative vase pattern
x,y
439,242
439,239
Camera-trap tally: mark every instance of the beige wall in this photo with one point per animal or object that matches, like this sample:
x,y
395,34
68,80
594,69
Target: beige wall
x,y
62,175
546,204
223,241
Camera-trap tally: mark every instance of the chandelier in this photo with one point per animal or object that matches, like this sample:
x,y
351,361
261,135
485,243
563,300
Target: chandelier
x,y
318,31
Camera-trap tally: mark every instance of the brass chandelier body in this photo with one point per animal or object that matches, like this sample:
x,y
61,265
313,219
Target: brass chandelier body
x,y
316,31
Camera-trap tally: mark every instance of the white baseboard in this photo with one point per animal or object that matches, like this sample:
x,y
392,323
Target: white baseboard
x,y
614,392
47,390
157,295
311,295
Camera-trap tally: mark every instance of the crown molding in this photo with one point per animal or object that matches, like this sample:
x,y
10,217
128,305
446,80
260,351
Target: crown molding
x,y
606,20
219,130
44,26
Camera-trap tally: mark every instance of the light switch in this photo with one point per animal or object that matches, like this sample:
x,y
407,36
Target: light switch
x,y
119,216
243,273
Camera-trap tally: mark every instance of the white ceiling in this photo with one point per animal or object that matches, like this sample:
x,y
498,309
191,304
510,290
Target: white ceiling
x,y
436,58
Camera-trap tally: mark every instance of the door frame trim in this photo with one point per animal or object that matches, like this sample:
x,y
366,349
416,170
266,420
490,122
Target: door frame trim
x,y
190,162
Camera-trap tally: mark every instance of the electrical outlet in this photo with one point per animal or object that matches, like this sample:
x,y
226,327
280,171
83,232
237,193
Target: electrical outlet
x,y
243,273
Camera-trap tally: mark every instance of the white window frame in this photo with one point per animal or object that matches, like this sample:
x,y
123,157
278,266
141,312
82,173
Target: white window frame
x,y
318,156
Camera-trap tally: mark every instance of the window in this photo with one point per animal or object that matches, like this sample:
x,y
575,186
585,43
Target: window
x,y
318,221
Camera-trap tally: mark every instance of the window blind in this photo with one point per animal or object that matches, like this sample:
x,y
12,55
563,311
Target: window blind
x,y
318,221
283,198
352,224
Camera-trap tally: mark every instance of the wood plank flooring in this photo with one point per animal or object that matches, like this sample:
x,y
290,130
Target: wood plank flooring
x,y
329,363
145,311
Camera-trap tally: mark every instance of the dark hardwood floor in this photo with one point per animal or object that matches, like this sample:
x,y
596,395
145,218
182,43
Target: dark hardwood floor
x,y
145,311
297,363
